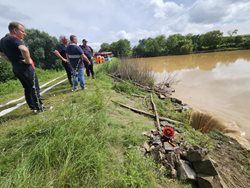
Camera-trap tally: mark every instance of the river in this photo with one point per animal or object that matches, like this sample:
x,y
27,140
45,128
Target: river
x,y
218,83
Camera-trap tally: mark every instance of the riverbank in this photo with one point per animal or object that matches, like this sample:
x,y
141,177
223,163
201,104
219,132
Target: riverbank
x,y
218,83
82,140
86,140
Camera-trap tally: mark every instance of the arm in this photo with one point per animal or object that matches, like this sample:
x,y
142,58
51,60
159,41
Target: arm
x,y
57,54
85,58
26,54
92,51
67,57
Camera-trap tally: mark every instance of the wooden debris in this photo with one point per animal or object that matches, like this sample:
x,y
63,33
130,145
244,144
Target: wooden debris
x,y
158,126
135,95
147,113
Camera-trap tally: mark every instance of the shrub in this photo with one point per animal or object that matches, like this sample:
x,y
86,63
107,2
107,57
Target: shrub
x,y
5,70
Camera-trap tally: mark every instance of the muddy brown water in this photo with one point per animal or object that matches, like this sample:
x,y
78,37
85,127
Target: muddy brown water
x,y
217,83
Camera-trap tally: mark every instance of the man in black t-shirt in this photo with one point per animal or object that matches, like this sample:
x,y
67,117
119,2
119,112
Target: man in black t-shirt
x,y
60,52
88,51
22,64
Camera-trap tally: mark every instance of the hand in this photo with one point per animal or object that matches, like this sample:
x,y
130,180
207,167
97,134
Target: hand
x,y
33,65
65,60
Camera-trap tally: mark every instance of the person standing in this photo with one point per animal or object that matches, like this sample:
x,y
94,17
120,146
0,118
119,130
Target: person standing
x,y
23,67
60,52
89,52
75,56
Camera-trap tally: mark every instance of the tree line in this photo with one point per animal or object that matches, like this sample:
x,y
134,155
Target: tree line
x,y
178,44
42,45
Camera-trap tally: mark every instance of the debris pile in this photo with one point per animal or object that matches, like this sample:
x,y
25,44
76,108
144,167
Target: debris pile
x,y
182,160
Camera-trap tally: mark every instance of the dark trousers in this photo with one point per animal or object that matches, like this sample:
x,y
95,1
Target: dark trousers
x,y
68,70
30,84
89,69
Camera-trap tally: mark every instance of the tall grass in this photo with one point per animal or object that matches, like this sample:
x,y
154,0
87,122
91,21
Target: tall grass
x,y
132,71
73,146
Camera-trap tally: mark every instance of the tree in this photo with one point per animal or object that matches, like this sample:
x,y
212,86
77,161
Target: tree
x,y
172,43
211,39
161,41
231,33
196,41
121,48
185,46
246,43
238,40
150,47
178,44
5,70
41,46
105,47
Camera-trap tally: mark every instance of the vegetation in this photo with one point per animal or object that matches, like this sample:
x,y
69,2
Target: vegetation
x,y
178,44
130,71
84,141
13,89
121,48
5,70
41,46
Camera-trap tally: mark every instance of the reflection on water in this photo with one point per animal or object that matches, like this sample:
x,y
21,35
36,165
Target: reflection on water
x,y
216,82
206,61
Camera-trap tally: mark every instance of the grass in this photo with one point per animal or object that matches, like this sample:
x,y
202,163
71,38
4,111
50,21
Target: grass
x,y
130,71
126,87
72,146
13,88
85,140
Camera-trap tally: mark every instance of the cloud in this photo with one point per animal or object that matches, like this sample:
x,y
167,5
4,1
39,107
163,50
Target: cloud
x,y
110,20
213,12
166,9
11,13
207,12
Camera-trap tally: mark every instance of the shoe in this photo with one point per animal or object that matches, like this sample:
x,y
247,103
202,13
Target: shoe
x,y
73,90
35,111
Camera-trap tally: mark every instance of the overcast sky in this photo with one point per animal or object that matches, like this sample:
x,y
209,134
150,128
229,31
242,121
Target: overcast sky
x,y
109,20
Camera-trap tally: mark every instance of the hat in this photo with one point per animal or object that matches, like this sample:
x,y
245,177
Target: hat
x,y
84,40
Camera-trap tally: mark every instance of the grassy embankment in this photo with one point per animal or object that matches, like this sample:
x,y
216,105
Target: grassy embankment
x,y
85,140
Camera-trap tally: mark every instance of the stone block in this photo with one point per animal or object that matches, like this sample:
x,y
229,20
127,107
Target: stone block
x,y
205,167
185,171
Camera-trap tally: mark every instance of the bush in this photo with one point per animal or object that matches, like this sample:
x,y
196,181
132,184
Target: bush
x,y
5,70
134,72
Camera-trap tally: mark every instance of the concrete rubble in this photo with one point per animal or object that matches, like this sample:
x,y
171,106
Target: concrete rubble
x,y
183,161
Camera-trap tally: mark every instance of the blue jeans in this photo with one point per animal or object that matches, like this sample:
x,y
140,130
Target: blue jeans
x,y
78,76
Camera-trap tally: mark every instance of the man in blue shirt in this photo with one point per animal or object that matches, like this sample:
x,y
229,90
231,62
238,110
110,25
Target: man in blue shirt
x,y
75,56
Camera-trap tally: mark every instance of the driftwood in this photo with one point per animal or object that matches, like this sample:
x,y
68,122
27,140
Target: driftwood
x,y
147,113
135,95
156,113
157,90
145,88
